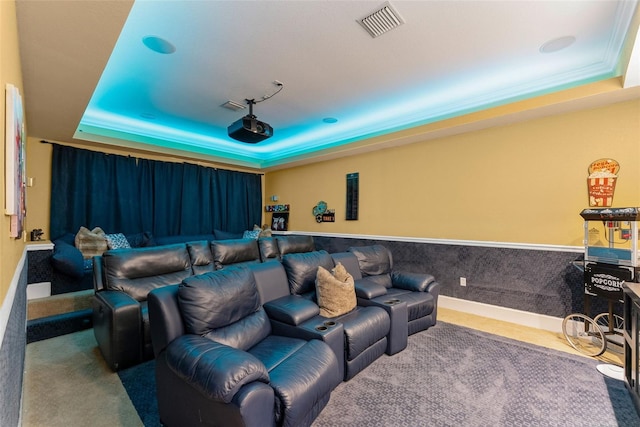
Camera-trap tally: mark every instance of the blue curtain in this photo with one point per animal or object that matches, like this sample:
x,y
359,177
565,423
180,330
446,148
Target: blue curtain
x,y
123,194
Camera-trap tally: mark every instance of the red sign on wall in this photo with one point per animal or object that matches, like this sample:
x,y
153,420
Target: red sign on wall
x,y
603,174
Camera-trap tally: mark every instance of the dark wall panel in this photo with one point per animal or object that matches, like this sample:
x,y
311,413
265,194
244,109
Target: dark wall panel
x,y
537,281
12,355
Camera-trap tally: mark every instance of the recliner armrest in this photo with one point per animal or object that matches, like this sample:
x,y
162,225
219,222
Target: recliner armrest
x,y
215,370
164,317
434,289
416,282
291,309
117,326
368,289
98,274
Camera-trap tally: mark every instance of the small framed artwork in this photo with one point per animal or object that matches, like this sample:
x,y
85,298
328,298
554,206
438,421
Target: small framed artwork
x,y
280,221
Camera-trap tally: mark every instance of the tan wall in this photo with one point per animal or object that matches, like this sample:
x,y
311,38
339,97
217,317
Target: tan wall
x,y
523,183
10,72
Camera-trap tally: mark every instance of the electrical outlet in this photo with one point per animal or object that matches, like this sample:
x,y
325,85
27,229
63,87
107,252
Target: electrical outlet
x,y
463,281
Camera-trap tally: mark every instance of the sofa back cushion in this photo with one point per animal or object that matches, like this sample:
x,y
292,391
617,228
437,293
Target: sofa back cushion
x,y
201,257
224,306
137,271
226,235
350,263
234,251
183,238
141,240
271,280
295,244
375,261
268,249
301,269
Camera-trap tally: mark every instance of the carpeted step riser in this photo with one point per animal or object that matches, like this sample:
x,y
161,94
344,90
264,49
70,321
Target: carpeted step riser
x,y
59,324
59,304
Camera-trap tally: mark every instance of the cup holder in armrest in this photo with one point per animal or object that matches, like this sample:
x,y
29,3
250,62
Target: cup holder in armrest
x,y
392,301
326,325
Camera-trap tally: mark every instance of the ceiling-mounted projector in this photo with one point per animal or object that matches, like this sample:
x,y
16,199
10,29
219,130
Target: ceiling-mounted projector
x,y
249,128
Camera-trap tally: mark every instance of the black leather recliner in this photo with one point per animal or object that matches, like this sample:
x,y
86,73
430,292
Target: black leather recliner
x,y
122,280
377,283
218,362
365,328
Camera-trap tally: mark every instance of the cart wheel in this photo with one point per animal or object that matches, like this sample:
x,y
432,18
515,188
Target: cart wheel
x,y
584,335
612,332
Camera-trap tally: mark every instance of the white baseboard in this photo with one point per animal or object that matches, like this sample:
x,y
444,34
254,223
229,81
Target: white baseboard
x,y
519,317
38,290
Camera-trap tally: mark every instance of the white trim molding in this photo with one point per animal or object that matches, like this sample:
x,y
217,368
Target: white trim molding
x,y
505,314
40,246
488,244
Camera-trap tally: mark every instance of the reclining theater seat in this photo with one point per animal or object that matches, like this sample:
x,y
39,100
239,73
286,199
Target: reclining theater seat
x,y
122,280
219,363
380,284
293,315
365,328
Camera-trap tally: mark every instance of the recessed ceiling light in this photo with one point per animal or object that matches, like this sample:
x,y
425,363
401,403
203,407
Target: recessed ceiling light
x,y
330,120
557,44
158,44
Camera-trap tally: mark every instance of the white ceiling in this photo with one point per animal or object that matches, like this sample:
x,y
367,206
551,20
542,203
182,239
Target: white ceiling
x,y
88,75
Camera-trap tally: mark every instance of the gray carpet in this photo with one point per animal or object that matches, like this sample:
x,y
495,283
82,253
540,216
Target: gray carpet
x,y
454,376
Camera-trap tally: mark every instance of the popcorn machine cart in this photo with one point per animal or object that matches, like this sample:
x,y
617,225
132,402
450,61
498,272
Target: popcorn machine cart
x,y
611,259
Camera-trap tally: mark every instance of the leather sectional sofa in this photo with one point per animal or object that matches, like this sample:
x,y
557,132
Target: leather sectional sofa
x,y
70,272
122,279
138,314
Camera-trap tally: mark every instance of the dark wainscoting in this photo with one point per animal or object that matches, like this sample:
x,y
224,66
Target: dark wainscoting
x,y
12,355
40,268
536,281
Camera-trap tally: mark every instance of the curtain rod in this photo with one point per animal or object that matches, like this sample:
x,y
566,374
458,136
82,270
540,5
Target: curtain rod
x,y
42,141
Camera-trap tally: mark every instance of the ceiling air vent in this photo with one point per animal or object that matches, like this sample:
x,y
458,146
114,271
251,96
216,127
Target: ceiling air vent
x,y
233,105
381,21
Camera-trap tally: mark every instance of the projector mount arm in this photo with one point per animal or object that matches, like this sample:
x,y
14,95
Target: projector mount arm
x,y
252,102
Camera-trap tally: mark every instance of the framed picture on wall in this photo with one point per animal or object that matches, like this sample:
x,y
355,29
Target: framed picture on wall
x,y
15,171
280,221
